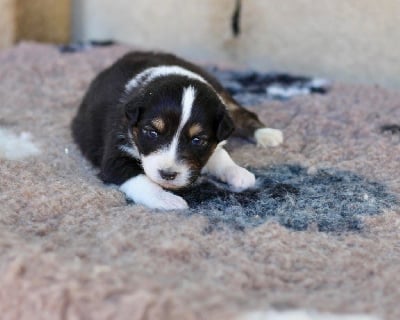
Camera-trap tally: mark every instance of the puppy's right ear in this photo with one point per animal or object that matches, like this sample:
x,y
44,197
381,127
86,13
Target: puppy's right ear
x,y
225,127
132,112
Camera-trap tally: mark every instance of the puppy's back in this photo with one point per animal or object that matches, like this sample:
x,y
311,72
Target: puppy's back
x,y
89,127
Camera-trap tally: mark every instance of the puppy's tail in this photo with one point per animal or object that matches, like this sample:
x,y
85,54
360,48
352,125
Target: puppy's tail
x,y
249,126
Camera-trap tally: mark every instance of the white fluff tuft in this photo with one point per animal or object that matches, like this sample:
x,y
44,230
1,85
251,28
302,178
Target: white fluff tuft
x,y
16,147
301,315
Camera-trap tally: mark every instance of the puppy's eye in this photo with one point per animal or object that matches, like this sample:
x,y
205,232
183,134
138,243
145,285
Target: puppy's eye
x,y
151,133
199,141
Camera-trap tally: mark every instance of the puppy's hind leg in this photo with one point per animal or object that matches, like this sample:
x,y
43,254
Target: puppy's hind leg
x,y
249,126
268,137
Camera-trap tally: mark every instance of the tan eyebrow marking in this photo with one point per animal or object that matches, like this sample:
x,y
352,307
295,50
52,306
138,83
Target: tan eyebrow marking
x,y
159,124
195,130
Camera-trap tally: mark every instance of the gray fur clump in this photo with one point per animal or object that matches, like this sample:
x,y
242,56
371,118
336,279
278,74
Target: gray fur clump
x,y
328,200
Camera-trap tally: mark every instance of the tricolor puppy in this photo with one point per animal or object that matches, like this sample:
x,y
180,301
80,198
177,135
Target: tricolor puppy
x,y
153,122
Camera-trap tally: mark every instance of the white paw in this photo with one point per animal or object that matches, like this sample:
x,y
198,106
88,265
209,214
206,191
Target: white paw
x,y
267,137
144,191
167,201
239,178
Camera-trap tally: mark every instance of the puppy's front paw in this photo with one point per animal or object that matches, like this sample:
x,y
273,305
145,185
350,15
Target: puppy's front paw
x,y
267,137
144,191
239,178
168,201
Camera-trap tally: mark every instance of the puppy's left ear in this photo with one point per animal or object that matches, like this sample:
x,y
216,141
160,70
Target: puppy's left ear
x,y
132,112
225,126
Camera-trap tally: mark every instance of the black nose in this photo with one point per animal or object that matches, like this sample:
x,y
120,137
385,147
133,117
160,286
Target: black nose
x,y
168,175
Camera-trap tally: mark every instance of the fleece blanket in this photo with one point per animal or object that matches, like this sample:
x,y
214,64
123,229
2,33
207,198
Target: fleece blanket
x,y
317,239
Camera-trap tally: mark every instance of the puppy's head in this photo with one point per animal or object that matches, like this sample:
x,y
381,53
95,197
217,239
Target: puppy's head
x,y
176,125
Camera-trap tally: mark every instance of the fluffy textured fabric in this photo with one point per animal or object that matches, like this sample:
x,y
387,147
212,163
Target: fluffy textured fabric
x,y
325,200
71,248
252,87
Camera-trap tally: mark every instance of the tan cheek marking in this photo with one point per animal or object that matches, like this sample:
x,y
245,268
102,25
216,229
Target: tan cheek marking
x,y
195,130
159,124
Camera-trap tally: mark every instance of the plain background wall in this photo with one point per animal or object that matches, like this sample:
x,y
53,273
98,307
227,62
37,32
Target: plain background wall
x,y
197,28
43,20
347,40
37,20
7,26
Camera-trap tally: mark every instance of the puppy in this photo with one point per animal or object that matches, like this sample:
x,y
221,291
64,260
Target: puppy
x,y
153,122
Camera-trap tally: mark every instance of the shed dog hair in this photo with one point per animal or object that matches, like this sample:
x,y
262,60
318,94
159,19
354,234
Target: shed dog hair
x,y
153,122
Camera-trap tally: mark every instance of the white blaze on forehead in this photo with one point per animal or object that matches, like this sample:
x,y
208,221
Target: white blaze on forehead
x,y
161,71
189,94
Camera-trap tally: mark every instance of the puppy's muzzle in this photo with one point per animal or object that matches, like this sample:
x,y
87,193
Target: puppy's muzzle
x,y
168,175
